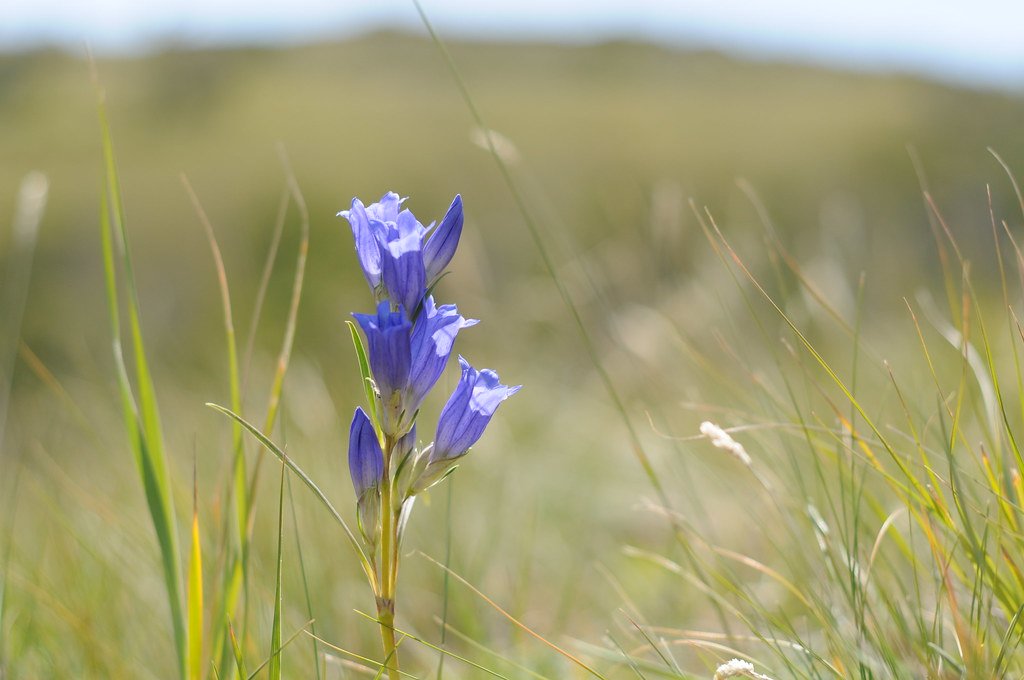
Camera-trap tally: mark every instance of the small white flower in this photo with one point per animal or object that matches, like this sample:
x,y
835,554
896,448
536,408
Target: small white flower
x,y
738,668
723,440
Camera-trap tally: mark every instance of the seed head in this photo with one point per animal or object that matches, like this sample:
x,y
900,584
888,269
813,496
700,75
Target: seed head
x,y
723,440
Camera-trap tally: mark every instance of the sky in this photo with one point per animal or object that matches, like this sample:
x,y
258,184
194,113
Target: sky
x,y
976,42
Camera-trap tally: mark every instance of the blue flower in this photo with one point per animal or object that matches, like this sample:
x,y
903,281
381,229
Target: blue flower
x,y
391,250
409,341
386,209
388,338
365,458
432,339
440,247
366,467
402,270
469,409
365,222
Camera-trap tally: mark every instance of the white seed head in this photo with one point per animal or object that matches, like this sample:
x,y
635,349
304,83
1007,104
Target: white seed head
x,y
738,668
723,440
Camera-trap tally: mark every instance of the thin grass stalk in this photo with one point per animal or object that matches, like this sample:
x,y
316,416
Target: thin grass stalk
x,y
447,564
277,651
590,349
275,633
236,570
305,580
283,358
261,292
270,446
235,573
516,622
549,265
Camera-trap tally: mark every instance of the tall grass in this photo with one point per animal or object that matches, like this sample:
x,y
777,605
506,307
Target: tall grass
x,y
138,403
867,524
142,420
880,507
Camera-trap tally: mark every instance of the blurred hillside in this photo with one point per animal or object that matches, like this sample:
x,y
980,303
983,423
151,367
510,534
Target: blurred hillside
x,y
610,142
609,135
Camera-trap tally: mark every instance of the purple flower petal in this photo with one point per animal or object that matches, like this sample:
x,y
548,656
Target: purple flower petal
x,y
402,270
365,458
386,209
468,411
433,337
388,340
440,247
367,246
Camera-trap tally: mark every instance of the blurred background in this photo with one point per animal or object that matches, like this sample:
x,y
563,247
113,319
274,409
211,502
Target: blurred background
x,y
612,117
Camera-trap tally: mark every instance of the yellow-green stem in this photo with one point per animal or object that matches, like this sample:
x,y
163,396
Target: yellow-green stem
x,y
389,558
386,617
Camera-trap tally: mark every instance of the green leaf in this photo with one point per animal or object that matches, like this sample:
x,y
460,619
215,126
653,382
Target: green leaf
x,y
364,371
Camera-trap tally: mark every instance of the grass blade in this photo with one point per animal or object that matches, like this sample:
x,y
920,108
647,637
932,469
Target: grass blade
x,y
447,565
275,635
436,649
305,580
519,624
234,577
277,651
141,415
284,458
195,594
352,655
284,356
293,310
237,651
638,448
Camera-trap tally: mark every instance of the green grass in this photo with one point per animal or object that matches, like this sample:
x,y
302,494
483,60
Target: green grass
x,y
861,344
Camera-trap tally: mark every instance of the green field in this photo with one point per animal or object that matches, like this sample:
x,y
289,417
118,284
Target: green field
x,y
882,519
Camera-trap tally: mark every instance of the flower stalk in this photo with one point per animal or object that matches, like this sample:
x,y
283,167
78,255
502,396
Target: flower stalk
x,y
389,556
408,342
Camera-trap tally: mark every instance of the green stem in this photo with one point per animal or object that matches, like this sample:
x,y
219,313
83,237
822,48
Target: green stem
x,y
389,559
386,617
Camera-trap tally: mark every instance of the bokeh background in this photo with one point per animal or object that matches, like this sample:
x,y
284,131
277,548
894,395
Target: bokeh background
x,y
612,117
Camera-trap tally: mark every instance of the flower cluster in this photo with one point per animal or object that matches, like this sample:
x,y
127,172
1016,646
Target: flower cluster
x,y
409,340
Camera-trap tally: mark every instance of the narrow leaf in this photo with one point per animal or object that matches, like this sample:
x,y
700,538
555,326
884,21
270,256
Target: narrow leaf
x,y
364,371
284,458
239,659
275,635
